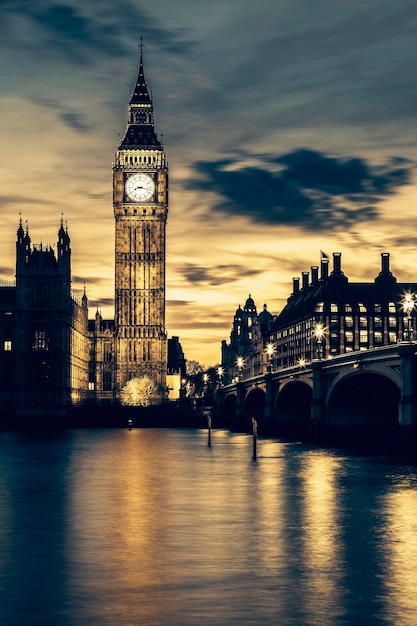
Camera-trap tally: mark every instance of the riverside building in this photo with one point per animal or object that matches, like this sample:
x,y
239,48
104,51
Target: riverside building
x,y
51,354
324,316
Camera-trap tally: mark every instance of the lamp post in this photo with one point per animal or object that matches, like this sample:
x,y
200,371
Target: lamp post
x,y
220,372
270,351
240,362
319,336
408,303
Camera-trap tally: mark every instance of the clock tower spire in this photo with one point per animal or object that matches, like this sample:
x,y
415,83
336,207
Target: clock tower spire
x,y
140,201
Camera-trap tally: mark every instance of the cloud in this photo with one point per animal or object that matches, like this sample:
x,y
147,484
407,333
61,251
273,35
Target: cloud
x,y
75,30
215,275
303,188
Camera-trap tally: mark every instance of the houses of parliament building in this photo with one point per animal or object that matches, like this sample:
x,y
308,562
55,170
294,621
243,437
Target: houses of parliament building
x,y
51,354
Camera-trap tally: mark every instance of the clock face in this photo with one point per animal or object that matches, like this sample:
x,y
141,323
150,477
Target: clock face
x,y
140,187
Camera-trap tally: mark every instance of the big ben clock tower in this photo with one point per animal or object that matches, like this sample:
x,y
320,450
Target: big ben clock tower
x,y
140,200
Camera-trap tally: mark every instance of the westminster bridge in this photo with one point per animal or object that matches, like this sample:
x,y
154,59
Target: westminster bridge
x,y
374,388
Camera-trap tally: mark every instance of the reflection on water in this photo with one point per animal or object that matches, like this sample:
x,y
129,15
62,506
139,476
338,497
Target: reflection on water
x,y
153,527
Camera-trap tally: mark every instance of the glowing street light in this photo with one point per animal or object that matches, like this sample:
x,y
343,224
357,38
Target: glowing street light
x,y
220,372
319,332
270,351
240,361
408,303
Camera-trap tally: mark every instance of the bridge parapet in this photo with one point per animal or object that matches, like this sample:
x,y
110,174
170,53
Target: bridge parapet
x,y
396,363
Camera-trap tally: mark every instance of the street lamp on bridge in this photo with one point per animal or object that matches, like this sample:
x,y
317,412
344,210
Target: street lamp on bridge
x,y
319,331
240,361
270,351
408,303
220,372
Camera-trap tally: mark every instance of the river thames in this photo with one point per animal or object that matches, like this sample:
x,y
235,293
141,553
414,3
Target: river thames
x,y
154,527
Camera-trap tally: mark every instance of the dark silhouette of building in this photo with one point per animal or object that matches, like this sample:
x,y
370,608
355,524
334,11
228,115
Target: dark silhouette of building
x,y
249,335
51,355
43,329
324,316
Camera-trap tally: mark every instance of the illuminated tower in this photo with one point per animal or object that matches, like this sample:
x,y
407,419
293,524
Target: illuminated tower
x,y
140,200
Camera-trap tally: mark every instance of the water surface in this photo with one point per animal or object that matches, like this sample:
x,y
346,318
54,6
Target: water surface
x,y
153,527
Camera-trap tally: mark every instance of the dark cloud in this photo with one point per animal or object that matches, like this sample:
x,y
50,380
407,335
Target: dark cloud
x,y
70,30
215,275
304,188
74,121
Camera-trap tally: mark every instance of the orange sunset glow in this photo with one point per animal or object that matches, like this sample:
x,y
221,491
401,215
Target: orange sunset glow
x,y
288,128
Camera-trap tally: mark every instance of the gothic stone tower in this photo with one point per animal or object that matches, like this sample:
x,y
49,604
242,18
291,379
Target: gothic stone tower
x,y
140,200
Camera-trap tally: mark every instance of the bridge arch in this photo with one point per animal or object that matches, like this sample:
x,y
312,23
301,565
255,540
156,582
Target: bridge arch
x,y
363,398
255,404
229,406
293,403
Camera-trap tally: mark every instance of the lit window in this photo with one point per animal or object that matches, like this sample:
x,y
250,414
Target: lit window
x,y
90,386
348,321
377,322
378,336
333,307
40,342
319,307
363,336
392,322
348,308
7,346
349,336
362,307
391,307
392,337
363,322
378,308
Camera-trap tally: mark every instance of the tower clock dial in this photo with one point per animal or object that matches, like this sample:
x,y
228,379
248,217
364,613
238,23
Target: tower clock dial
x,y
140,187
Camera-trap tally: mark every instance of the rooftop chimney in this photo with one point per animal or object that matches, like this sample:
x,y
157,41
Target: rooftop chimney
x,y
385,262
295,285
324,269
304,276
314,274
337,262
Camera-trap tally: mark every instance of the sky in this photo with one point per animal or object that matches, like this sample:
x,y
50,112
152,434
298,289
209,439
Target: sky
x,y
290,127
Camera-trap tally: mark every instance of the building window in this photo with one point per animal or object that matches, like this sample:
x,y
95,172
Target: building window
x,y
392,322
40,341
90,386
363,336
378,308
349,321
7,346
363,322
392,337
362,307
391,307
107,351
377,322
333,307
319,307
377,336
349,336
348,308
106,381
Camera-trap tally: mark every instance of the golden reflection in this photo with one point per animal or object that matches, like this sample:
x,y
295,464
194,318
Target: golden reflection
x,y
400,543
322,543
118,528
